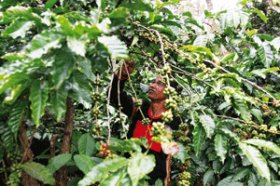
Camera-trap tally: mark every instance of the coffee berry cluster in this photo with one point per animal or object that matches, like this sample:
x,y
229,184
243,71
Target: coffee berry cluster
x,y
184,178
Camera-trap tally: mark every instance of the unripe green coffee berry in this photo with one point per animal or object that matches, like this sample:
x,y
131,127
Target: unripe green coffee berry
x,y
146,121
96,96
169,91
273,129
263,127
167,69
183,126
254,132
167,116
138,103
95,112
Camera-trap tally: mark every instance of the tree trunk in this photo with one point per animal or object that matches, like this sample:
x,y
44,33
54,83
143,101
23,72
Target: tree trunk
x,y
27,155
66,143
168,171
52,145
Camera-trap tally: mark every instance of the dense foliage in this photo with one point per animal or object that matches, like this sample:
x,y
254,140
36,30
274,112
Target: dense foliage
x,y
57,63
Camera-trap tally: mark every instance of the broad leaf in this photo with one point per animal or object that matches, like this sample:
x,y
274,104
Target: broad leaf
x,y
242,108
100,171
139,165
258,114
77,46
81,89
18,28
208,177
84,66
114,179
240,174
115,47
265,54
208,124
58,103
86,145
230,134
58,161
15,92
16,116
221,146
84,163
23,12
39,172
268,145
229,182
256,158
62,66
50,4
276,43
38,98
199,137
42,43
260,14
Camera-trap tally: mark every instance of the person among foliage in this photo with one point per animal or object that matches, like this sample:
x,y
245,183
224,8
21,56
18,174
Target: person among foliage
x,y
143,116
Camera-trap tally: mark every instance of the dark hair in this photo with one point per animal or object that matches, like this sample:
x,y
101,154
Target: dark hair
x,y
175,85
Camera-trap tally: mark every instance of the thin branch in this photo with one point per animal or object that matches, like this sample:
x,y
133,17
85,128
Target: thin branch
x,y
252,124
108,111
243,79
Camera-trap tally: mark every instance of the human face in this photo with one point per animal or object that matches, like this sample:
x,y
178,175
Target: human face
x,y
156,89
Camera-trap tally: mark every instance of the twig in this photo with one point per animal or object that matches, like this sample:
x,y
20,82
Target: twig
x,y
108,112
251,123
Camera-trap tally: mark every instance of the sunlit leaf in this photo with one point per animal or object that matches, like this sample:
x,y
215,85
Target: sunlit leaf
x,y
221,146
139,165
100,171
268,145
38,97
42,43
199,137
18,28
265,54
256,158
115,47
208,124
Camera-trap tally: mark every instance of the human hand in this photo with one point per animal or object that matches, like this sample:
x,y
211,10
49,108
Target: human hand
x,y
170,148
126,69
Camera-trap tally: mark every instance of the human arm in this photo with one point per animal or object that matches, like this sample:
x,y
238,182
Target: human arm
x,y
118,97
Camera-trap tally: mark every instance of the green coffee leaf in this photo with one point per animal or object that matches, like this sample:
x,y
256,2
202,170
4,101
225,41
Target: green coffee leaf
x,y
139,165
221,146
268,145
38,98
58,161
208,124
84,163
199,137
18,28
86,145
115,47
39,172
100,171
256,158
43,43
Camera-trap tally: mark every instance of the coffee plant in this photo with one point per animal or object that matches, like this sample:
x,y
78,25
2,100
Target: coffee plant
x,y
58,59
